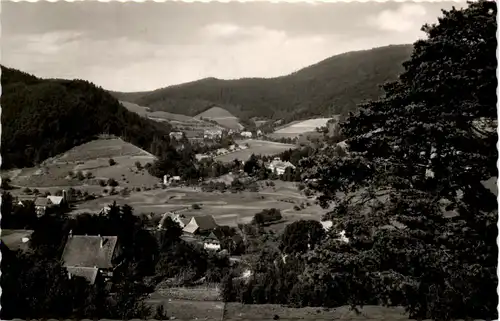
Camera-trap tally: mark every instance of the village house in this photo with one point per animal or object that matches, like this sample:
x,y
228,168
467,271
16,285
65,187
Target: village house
x,y
200,225
105,210
16,240
212,242
246,134
224,233
212,133
92,257
42,204
259,132
279,166
176,135
178,218
167,179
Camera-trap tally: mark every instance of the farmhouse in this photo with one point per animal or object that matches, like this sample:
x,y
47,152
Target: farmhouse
x,y
279,166
91,257
16,240
200,225
218,235
212,242
178,218
42,204
246,134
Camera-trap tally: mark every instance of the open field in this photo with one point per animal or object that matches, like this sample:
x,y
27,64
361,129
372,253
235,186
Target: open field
x,y
294,129
91,157
237,311
257,147
227,208
222,117
156,115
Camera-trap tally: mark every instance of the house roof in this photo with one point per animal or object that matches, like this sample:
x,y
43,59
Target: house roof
x,y
89,273
15,239
86,251
281,164
491,185
41,201
56,200
204,222
180,218
23,198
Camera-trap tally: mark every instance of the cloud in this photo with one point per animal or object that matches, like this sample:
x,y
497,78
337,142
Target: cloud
x,y
408,17
226,32
134,47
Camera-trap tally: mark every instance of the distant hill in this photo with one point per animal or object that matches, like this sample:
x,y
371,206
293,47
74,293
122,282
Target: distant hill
x,y
333,86
222,117
45,117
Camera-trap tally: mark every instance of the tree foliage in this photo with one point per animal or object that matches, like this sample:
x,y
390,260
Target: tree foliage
x,y
422,226
45,117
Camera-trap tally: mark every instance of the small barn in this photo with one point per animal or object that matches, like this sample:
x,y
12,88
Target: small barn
x,y
200,225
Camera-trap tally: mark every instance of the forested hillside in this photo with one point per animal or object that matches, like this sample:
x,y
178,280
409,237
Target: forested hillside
x,y
44,117
337,84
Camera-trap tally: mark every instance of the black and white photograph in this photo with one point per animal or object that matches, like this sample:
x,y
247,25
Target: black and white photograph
x,y
249,161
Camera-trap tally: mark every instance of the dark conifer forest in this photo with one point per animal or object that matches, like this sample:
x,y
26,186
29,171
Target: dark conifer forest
x,y
44,117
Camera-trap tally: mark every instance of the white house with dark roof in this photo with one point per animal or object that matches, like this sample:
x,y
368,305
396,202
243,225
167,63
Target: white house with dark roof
x,y
246,134
90,256
44,203
279,166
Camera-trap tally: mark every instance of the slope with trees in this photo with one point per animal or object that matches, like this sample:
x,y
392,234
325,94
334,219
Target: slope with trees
x,y
44,117
336,84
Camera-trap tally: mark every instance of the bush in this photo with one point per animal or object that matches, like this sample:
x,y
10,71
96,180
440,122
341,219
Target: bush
x,y
27,190
80,176
36,191
266,216
102,183
196,206
138,165
296,207
112,182
89,175
111,162
105,190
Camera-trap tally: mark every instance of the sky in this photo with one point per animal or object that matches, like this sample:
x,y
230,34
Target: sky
x,y
131,46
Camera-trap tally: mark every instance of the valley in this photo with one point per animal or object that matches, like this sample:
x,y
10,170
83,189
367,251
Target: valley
x,y
359,187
